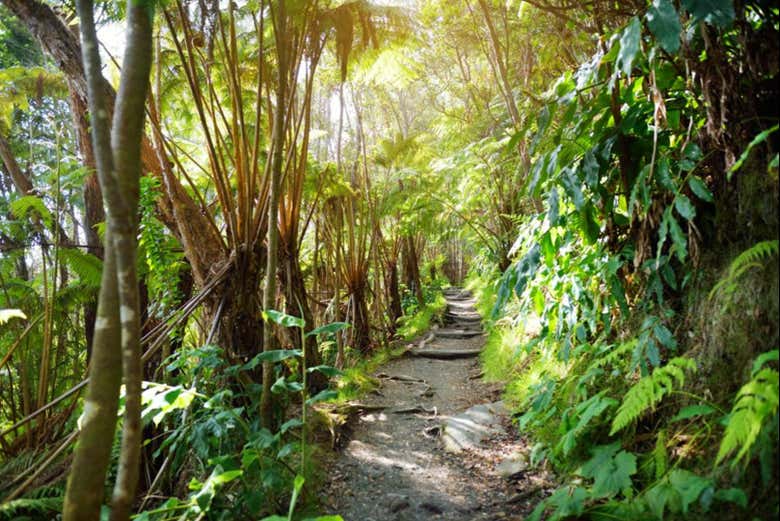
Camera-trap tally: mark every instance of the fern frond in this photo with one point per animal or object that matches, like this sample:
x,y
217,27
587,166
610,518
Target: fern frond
x,y
88,267
19,508
616,354
30,203
756,402
753,257
648,391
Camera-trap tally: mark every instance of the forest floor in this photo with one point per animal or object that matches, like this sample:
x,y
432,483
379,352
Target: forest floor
x,y
403,460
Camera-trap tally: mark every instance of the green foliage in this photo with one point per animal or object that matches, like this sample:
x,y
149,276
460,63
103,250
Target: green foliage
x,y
751,258
756,403
88,267
418,323
650,390
664,23
159,252
34,207
31,508
611,470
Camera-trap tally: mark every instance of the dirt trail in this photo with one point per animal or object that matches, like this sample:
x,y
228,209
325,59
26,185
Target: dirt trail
x,y
395,467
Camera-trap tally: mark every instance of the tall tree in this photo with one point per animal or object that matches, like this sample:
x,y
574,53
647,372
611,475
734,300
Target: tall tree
x,y
118,161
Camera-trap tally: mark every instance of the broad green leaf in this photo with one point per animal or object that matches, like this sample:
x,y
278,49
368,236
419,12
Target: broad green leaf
x,y
541,126
226,477
273,356
297,487
590,167
714,12
691,411
700,189
8,314
525,269
322,396
327,370
327,329
611,470
732,495
568,502
664,23
283,319
290,424
684,207
679,239
552,203
660,497
662,333
282,385
572,187
688,485
629,46
588,224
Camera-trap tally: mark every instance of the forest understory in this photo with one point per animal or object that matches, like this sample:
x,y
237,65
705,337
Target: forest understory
x,y
321,260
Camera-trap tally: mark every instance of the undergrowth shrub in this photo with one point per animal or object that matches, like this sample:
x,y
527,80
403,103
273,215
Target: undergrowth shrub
x,y
643,342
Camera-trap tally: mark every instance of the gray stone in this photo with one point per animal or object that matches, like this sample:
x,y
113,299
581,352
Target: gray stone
x,y
512,465
468,429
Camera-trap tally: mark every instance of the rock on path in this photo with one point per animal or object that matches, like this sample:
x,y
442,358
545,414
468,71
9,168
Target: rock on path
x,y
396,467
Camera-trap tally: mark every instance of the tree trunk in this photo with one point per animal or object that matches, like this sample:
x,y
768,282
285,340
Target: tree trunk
x,y
502,76
361,325
394,294
412,270
93,203
277,147
118,160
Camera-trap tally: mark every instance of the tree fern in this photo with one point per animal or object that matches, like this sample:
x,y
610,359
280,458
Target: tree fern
x,y
750,258
20,508
87,266
648,391
42,503
30,203
756,402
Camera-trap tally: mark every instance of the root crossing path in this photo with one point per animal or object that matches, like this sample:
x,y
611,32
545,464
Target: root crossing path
x,y
433,442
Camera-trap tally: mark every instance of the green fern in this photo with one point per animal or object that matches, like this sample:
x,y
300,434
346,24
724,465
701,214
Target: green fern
x,y
30,203
18,508
88,267
648,391
753,257
756,402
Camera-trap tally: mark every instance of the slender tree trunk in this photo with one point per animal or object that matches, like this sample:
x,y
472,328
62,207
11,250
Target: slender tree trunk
x,y
93,203
412,269
277,146
394,293
118,159
503,76
361,325
86,482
